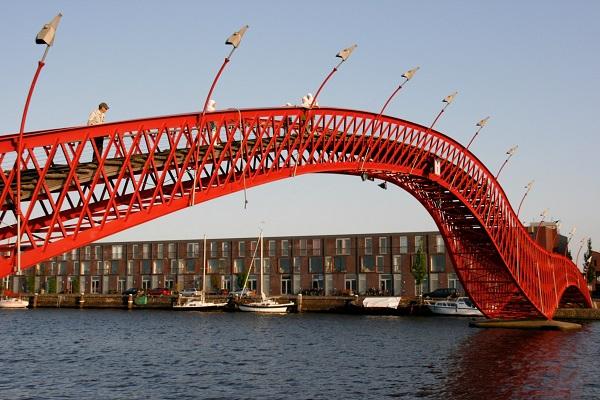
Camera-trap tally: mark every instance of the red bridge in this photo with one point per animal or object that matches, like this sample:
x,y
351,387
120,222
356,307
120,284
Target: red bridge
x,y
84,183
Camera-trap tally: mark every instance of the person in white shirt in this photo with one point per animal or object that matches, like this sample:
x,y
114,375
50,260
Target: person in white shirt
x,y
96,118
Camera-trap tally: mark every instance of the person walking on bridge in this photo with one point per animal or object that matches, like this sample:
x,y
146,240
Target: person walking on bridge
x,y
96,118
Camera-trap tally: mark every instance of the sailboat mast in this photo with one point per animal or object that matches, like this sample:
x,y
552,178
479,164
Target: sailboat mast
x,y
262,293
204,271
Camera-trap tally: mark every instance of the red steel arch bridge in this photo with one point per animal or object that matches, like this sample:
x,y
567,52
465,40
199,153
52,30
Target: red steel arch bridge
x,y
84,183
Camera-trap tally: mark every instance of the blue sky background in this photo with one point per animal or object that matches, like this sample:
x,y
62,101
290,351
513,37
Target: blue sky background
x,y
533,66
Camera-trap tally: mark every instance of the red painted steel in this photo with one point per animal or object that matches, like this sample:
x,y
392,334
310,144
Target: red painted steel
x,y
146,169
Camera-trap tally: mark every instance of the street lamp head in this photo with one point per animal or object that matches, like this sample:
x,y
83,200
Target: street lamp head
x,y
483,122
46,35
236,37
410,73
512,150
345,53
529,185
450,98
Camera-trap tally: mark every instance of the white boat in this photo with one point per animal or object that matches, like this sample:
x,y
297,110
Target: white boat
x,y
265,305
13,302
199,303
462,306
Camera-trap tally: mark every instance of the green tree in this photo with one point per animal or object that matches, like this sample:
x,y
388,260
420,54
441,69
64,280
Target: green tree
x,y
419,267
241,278
51,282
588,270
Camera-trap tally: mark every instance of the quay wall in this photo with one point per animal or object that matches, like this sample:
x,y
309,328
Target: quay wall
x,y
325,304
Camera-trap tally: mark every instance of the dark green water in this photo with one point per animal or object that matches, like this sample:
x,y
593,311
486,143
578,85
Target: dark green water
x,y
89,354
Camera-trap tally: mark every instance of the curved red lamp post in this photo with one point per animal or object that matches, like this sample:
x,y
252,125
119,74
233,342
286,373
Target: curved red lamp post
x,y
528,187
233,40
343,54
45,36
510,152
407,77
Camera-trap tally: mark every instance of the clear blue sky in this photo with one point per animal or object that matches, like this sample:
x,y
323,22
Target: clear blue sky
x,y
533,66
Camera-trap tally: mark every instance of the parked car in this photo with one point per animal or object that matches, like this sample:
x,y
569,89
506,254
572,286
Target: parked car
x,y
159,292
441,293
132,291
190,292
241,293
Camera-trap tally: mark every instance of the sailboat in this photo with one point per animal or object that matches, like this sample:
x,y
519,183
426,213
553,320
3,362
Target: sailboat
x,y
265,305
194,303
13,302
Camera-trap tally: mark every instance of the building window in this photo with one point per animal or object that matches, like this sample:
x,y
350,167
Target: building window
x,y
175,267
384,245
146,251
342,246
225,249
351,285
367,264
438,263
85,268
114,267
379,264
130,267
385,284
192,250
160,249
145,282
213,249
368,245
95,284
272,248
285,248
190,265
439,244
396,264
303,247
117,252
121,286
158,266
315,265
286,284
62,268
98,252
284,265
316,247
297,265
419,243
266,265
213,266
146,267
238,266
241,249
135,251
317,281
87,252
172,250
403,244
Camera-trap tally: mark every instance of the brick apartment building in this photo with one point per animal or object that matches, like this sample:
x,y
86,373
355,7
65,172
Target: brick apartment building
x,y
334,264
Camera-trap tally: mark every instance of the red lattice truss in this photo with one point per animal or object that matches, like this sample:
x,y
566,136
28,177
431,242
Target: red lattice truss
x,y
147,168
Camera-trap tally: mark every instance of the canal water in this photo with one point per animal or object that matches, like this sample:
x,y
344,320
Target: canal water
x,y
114,354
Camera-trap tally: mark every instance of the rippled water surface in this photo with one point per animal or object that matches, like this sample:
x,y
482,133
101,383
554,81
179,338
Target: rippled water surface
x,y
97,354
